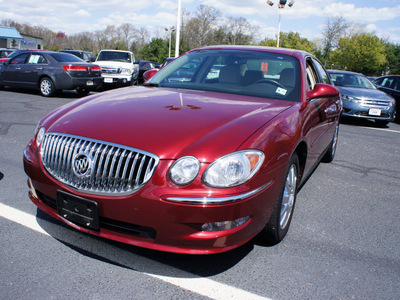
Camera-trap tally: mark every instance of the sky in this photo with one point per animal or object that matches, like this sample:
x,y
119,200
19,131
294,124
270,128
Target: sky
x,y
307,17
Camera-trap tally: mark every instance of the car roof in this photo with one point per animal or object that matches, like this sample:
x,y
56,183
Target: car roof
x,y
126,51
344,72
285,51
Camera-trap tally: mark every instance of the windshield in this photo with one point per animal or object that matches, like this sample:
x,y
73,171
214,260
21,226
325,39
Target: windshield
x,y
244,72
351,80
115,56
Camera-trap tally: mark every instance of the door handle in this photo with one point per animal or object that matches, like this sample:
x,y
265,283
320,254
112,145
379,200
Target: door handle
x,y
39,68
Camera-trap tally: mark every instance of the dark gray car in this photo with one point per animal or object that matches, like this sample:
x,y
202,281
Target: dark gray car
x,y
361,99
50,72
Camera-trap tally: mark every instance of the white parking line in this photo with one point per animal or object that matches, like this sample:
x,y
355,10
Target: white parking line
x,y
199,285
383,129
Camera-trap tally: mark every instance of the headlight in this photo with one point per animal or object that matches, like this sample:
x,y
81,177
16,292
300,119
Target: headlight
x,y
392,103
40,136
126,71
233,169
352,99
184,170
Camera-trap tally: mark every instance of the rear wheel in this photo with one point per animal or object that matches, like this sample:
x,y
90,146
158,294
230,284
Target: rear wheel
x,y
278,224
47,87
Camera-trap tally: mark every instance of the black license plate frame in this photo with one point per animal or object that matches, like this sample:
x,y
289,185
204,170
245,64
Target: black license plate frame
x,y
81,211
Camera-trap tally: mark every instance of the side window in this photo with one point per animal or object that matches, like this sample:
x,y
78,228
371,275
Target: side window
x,y
311,75
321,70
20,59
36,59
378,81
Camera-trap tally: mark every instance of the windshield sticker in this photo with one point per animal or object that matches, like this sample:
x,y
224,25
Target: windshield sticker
x,y
281,91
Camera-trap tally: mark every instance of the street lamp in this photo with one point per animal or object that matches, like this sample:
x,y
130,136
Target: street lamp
x,y
281,5
178,29
171,30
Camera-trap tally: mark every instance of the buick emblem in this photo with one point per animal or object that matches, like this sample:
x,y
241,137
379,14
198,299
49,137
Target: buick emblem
x,y
82,165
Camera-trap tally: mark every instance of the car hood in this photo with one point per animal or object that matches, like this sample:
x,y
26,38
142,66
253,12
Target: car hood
x,y
113,64
167,122
363,93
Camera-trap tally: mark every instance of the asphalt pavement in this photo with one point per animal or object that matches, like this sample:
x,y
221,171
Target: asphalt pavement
x,y
343,242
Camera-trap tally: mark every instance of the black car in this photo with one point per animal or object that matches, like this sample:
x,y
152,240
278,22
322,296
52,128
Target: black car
x,y
145,66
85,55
391,85
50,72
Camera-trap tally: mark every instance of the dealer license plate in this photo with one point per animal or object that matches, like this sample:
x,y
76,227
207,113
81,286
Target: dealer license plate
x,y
374,112
89,82
78,210
108,80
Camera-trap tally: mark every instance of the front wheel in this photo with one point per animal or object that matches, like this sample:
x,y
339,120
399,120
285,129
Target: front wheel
x,y
47,87
83,91
278,224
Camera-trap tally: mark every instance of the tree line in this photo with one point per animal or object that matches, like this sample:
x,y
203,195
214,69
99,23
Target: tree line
x,y
344,45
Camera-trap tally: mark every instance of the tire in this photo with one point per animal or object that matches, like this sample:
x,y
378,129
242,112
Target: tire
x,y
381,123
83,91
279,222
46,86
330,153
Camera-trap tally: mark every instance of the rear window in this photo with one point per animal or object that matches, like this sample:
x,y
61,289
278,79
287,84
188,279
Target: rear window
x,y
65,57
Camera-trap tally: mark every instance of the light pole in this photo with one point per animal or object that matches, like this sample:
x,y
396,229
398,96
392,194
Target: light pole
x,y
281,5
171,30
178,30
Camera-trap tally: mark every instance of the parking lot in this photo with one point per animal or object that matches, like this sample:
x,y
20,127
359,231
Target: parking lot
x,y
343,242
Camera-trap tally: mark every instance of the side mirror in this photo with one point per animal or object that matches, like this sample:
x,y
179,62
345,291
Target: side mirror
x,y
322,90
7,62
148,74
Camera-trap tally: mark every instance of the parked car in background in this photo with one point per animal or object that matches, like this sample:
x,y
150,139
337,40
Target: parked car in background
x,y
196,166
149,73
118,67
391,85
361,99
167,61
4,52
84,55
14,53
50,72
144,66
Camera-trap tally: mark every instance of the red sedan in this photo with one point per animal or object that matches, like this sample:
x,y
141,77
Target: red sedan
x,y
200,159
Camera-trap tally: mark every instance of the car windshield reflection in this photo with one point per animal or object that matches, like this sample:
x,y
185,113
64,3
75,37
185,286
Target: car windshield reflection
x,y
258,74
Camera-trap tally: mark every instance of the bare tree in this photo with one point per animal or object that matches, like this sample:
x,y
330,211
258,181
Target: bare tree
x,y
335,28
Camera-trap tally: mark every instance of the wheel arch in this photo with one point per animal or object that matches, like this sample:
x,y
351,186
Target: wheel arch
x,y
301,151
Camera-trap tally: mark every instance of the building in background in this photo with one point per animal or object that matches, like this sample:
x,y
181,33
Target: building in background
x,y
11,38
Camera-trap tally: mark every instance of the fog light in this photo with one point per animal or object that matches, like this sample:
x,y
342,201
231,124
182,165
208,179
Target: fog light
x,y
226,225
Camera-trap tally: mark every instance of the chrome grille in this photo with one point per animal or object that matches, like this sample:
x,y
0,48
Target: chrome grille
x,y
110,70
96,167
377,103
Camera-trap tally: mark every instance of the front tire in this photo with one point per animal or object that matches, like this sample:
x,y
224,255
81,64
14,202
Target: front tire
x,y
47,88
278,224
83,91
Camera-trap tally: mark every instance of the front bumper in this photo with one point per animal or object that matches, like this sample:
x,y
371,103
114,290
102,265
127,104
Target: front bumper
x,y
157,218
117,79
376,113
